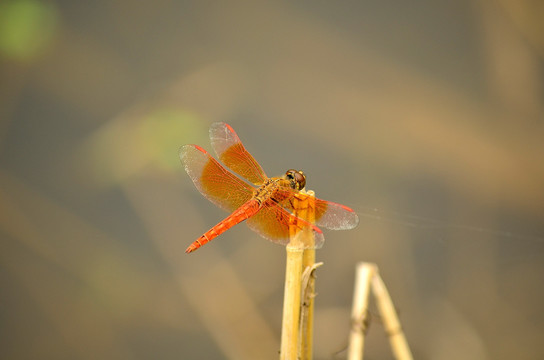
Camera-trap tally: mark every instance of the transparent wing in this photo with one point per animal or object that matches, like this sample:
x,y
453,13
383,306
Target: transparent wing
x,y
330,215
272,222
231,152
334,216
216,183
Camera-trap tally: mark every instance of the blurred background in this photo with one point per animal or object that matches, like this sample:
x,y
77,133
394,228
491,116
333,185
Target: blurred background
x,y
425,117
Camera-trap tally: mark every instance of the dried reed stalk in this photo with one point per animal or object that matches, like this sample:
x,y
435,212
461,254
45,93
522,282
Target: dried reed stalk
x,y
359,311
367,277
390,320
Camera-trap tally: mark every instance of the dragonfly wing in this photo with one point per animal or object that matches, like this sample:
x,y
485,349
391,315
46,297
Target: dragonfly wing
x,y
272,222
231,152
328,214
216,183
334,216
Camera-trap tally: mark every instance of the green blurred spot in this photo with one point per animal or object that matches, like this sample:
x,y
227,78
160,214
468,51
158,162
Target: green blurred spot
x,y
160,133
26,28
147,142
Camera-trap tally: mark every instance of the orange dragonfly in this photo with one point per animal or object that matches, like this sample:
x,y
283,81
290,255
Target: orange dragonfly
x,y
268,206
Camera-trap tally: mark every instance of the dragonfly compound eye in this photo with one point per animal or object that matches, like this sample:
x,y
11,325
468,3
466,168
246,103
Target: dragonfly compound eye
x,y
297,178
300,178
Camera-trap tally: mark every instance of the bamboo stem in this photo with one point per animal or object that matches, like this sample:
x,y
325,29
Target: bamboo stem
x,y
308,266
291,322
391,322
307,311
291,304
359,311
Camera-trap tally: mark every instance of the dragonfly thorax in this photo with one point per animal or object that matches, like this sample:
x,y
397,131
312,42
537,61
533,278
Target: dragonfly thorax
x,y
274,189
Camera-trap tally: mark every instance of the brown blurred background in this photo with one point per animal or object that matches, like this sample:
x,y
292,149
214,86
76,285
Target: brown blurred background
x,y
425,117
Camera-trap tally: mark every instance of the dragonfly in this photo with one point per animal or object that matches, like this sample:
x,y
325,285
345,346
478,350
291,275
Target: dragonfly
x,y
267,204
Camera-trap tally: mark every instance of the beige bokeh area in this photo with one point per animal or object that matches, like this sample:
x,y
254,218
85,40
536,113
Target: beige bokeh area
x,y
426,118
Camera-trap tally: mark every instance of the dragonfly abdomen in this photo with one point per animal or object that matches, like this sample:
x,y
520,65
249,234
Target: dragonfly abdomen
x,y
244,212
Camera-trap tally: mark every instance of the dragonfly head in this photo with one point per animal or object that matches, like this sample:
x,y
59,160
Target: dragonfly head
x,y
296,178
